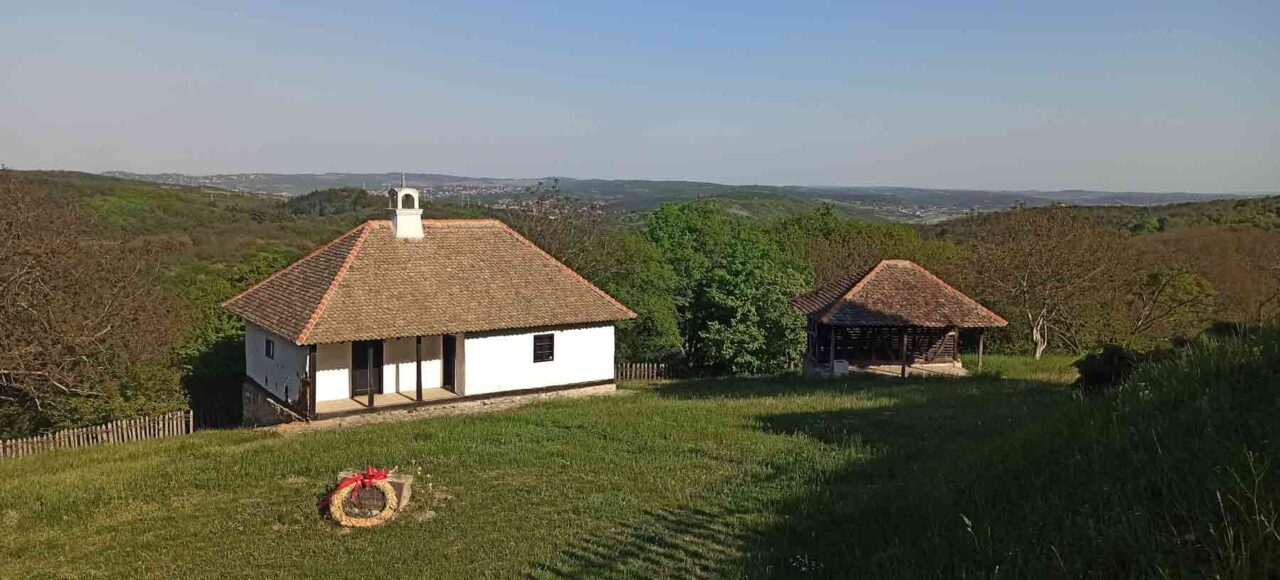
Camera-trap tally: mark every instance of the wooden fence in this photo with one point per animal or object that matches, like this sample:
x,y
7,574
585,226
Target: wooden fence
x,y
643,371
135,429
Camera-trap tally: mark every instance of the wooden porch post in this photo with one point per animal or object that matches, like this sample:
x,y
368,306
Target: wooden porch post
x,y
417,360
831,353
904,352
981,334
310,402
368,373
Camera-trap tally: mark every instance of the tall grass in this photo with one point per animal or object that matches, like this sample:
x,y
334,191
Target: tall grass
x,y
1173,474
1209,423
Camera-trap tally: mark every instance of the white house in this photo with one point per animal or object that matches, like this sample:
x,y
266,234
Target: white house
x,y
409,311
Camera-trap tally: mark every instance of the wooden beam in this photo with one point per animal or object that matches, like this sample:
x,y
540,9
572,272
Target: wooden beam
x,y
981,334
904,352
831,353
368,373
417,360
312,366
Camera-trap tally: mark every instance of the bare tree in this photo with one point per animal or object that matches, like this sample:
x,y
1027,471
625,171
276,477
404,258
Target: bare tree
x,y
75,312
572,231
1037,263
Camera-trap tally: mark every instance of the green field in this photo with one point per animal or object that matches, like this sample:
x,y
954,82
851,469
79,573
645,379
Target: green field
x,y
670,479
762,477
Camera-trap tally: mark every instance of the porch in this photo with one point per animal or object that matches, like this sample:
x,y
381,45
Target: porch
x,y
835,349
380,401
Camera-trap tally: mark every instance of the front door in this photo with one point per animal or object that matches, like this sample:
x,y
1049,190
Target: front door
x,y
448,354
366,368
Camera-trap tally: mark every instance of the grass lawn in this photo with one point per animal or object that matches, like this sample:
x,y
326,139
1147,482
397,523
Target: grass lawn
x,y
702,478
1173,474
1050,367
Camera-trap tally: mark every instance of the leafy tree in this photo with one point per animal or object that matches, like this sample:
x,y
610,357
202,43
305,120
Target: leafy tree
x,y
333,201
834,247
211,353
645,284
733,292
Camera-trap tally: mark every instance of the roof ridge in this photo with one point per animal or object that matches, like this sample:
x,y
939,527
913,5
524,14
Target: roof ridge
x,y
826,316
293,265
602,293
333,284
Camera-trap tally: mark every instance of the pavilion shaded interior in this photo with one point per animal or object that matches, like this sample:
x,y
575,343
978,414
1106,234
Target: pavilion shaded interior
x,y
879,345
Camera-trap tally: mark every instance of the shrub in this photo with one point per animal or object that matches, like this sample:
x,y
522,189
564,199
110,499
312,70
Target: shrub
x,y
1106,368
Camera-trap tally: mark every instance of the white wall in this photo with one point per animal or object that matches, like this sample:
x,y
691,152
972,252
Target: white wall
x,y
334,364
397,364
503,361
277,374
333,371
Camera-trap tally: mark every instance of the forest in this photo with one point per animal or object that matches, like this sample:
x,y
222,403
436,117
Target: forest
x,y
110,290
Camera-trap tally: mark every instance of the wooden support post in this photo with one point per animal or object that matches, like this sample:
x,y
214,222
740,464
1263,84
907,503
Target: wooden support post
x,y
312,366
417,363
904,352
981,334
831,354
368,374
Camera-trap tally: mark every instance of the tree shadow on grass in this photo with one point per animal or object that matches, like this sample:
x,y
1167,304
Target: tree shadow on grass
x,y
796,519
791,384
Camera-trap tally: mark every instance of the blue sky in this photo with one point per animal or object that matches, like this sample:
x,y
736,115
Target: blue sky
x,y
1105,95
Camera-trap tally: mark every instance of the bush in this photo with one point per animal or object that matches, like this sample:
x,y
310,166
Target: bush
x,y
1106,368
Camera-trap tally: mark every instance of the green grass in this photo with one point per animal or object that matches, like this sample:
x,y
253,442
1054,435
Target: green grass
x,y
1054,368
670,480
870,476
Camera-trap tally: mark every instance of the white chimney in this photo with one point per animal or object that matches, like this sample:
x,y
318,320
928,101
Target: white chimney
x,y
406,212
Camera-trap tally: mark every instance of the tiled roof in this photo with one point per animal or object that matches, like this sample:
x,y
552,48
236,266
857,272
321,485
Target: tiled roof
x,y
462,276
894,293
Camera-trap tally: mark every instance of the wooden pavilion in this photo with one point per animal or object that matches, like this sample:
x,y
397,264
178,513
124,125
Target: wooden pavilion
x,y
895,317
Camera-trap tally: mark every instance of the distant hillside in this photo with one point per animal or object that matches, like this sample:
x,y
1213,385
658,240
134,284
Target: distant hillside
x,y
1261,213
903,204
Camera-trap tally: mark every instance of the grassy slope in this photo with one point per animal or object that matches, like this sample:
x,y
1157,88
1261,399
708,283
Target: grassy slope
x,y
679,480
1173,475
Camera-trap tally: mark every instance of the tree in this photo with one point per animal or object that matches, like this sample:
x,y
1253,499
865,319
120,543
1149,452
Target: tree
x,y
1039,264
734,285
627,266
834,247
1243,265
84,333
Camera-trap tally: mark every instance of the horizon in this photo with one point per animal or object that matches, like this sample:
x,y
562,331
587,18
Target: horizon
x,y
1265,193
1177,97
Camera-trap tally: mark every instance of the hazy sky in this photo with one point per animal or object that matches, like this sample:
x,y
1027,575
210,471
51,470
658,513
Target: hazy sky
x,y
1064,94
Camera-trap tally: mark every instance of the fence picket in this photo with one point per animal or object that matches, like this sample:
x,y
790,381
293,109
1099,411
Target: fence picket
x,y
118,431
642,371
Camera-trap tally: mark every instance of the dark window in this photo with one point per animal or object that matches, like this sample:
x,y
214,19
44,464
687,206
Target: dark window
x,y
271,348
544,347
406,202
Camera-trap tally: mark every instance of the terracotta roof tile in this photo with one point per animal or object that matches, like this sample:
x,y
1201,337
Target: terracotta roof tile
x,y
894,293
462,276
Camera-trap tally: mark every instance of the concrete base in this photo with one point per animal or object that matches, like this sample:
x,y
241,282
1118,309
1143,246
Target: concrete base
x,y
950,369
445,408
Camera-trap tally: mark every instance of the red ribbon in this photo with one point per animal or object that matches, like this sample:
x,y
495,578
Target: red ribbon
x,y
366,479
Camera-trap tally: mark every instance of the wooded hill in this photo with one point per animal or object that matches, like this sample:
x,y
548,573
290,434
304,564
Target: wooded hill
x,y
112,285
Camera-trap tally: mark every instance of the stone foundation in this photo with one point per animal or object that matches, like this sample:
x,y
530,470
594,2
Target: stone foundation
x,y
461,407
257,409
